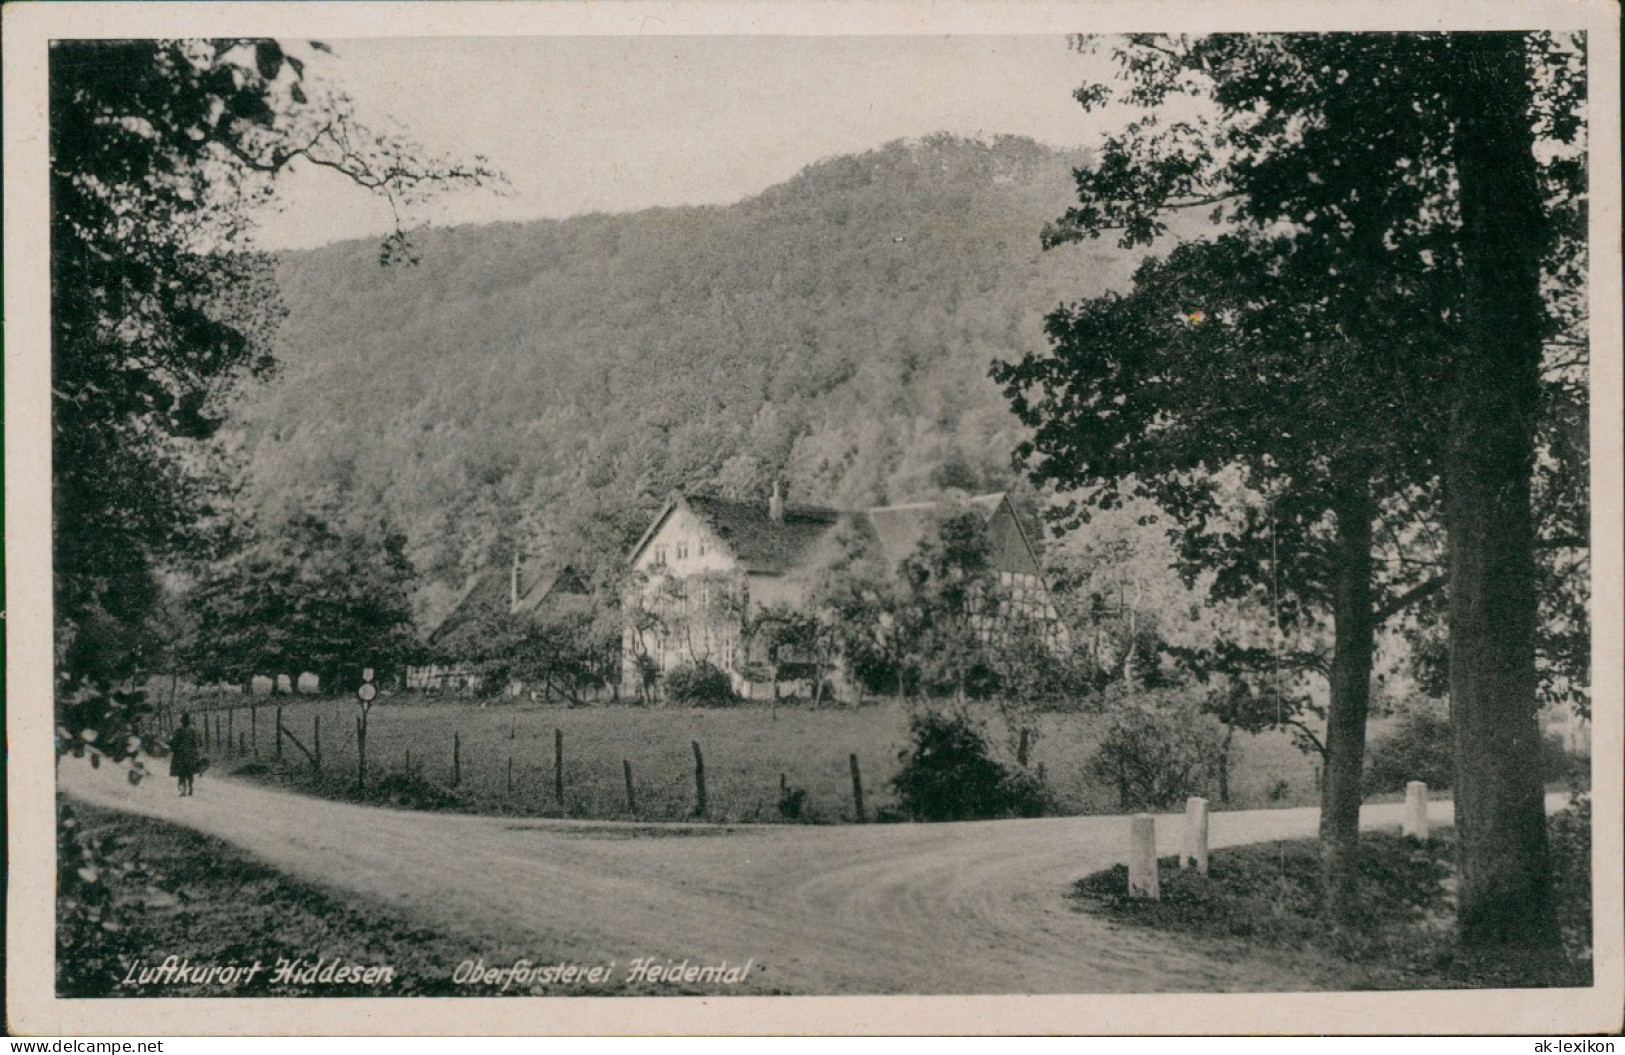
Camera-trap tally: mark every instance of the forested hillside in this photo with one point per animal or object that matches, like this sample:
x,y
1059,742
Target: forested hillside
x,y
547,384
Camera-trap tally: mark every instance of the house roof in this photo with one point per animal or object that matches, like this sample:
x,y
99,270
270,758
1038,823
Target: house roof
x,y
760,543
544,583
490,593
765,546
901,528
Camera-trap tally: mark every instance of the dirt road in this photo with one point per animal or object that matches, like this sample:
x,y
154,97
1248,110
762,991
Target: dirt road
x,y
946,908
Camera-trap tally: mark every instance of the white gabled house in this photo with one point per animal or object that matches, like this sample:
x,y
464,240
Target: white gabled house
x,y
705,565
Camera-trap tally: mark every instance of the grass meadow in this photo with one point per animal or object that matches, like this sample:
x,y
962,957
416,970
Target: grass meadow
x,y
507,756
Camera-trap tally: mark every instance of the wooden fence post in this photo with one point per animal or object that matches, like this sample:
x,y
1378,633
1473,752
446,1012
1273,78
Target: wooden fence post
x,y
254,730
279,732
242,745
1021,750
857,787
699,780
361,751
316,743
208,740
510,776
408,761
456,759
231,728
558,767
631,800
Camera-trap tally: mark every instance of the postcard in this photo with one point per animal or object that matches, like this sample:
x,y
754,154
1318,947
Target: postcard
x,y
790,517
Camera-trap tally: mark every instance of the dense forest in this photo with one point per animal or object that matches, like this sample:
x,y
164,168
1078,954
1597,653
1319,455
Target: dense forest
x,y
545,385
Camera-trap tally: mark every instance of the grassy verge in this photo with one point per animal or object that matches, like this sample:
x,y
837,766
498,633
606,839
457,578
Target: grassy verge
x,y
1264,900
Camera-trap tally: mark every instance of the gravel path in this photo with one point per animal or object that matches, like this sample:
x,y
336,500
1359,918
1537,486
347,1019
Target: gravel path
x,y
943,908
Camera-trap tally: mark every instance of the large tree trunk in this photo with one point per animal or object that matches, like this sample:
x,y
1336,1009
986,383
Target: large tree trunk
x,y
1505,895
1341,790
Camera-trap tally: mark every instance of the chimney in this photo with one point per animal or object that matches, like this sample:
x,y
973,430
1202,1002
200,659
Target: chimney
x,y
775,505
513,583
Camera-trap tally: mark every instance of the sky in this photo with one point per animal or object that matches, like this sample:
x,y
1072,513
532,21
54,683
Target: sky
x,y
615,124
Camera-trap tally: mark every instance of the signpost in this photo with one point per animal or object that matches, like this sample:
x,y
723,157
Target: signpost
x,y
366,694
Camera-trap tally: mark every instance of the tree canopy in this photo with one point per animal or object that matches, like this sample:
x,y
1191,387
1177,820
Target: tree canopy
x,y
1366,324
311,594
159,149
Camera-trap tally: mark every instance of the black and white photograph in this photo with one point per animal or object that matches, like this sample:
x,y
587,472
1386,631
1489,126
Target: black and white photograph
x,y
622,517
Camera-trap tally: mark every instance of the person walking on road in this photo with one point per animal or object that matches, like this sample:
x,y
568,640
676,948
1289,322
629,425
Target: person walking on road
x,y
186,754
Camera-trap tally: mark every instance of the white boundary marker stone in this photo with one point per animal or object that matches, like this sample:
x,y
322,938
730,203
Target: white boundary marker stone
x,y
1416,810
1142,857
1195,851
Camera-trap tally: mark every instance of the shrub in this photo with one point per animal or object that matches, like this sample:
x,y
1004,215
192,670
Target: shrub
x,y
1569,832
101,895
413,791
1158,751
792,802
1419,748
950,775
1558,763
700,683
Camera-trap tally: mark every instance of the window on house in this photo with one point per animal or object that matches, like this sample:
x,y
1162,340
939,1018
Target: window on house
x,y
682,550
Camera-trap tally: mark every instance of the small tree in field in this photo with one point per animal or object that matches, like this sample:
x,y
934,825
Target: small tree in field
x,y
949,774
645,629
308,594
792,638
699,683
1157,750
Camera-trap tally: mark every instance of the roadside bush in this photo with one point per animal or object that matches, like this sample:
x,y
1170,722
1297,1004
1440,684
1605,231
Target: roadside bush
x,y
699,683
1158,750
949,774
413,791
1558,763
100,895
792,802
1569,832
1419,748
